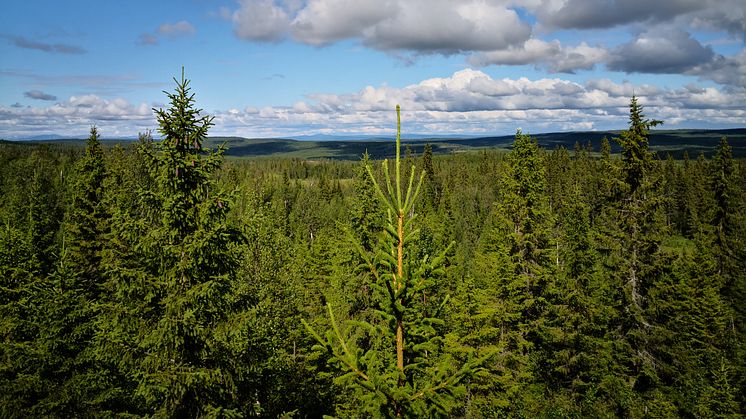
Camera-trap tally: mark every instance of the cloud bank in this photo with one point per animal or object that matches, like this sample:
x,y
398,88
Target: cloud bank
x,y
511,32
467,102
424,26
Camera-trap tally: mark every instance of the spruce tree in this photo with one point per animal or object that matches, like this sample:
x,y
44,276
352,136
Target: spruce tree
x,y
632,227
431,193
20,384
167,324
728,220
366,212
44,212
28,253
514,271
87,216
72,294
397,365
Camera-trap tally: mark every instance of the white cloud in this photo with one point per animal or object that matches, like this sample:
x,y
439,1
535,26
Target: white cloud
x,y
260,20
75,116
324,22
660,50
551,56
469,101
724,70
493,32
422,26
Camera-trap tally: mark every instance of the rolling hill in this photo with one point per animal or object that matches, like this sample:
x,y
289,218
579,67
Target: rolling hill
x,y
351,148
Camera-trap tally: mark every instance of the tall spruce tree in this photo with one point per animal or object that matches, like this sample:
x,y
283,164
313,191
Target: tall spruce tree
x,y
167,324
514,271
632,227
728,220
72,295
87,216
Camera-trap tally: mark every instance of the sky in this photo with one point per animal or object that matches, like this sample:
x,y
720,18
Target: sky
x,y
284,68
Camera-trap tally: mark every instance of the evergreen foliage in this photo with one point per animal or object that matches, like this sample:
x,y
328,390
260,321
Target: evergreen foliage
x,y
528,283
168,322
407,370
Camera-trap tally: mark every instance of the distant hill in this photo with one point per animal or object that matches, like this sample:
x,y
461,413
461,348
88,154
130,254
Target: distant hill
x,y
351,148
661,141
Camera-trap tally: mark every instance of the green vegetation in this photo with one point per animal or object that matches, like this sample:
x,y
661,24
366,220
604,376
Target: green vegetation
x,y
157,278
675,142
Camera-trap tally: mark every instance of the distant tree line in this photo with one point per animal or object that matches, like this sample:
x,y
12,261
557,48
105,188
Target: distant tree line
x,y
160,280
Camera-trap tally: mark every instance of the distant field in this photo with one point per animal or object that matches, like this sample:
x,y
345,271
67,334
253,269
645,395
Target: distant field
x,y
661,141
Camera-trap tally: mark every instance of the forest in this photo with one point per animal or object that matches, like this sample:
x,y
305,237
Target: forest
x,y
163,279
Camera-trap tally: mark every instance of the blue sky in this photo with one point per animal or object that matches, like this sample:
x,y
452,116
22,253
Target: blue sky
x,y
295,67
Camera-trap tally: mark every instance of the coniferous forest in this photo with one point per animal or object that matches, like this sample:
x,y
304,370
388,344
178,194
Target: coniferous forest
x,y
160,279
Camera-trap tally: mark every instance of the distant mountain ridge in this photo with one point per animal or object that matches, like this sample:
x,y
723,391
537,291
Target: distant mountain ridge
x,y
352,147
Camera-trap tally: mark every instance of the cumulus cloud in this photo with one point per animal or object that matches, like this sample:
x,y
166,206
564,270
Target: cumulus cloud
x,y
467,102
39,95
727,15
422,26
551,56
472,102
667,51
663,50
724,70
587,14
22,42
260,20
492,32
73,116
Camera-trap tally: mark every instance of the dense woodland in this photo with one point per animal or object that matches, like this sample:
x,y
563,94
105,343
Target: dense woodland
x,y
162,280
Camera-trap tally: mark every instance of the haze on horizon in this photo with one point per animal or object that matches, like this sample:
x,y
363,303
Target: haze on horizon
x,y
269,68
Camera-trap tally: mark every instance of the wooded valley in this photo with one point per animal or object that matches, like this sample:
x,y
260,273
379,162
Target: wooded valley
x,y
161,279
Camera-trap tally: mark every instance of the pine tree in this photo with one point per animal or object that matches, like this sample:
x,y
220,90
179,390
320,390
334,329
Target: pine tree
x,y
72,295
728,219
514,270
431,191
167,325
692,336
28,253
403,370
20,384
632,227
44,213
634,142
87,216
366,212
